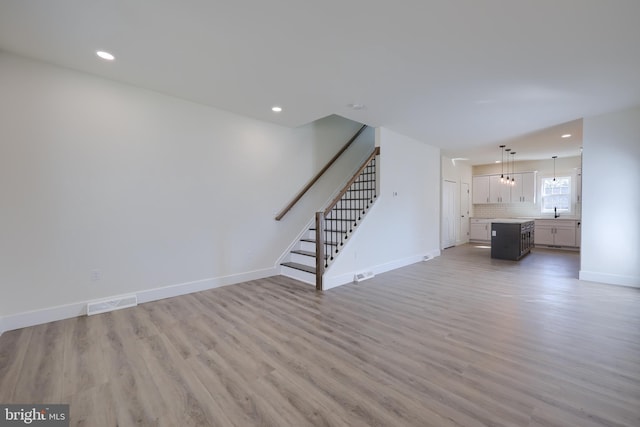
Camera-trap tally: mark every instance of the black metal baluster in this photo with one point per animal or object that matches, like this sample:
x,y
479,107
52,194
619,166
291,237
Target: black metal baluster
x,y
373,182
326,258
340,210
360,192
341,231
358,197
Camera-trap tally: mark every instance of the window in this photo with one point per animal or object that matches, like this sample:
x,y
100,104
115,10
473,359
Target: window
x,y
556,195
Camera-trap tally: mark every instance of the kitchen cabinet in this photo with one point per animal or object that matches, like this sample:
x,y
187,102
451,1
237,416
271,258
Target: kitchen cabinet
x,y
480,230
489,189
524,190
556,232
499,192
480,189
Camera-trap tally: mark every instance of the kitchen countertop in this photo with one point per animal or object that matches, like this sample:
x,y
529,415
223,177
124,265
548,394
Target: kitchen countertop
x,y
511,220
561,218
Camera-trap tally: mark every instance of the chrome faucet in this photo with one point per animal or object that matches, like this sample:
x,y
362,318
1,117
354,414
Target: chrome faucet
x,y
555,213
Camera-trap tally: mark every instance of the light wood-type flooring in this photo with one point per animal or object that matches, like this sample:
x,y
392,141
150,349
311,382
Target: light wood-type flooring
x,y
461,340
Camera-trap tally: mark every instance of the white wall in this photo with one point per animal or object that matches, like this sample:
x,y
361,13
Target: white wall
x,y
399,229
458,172
148,190
611,199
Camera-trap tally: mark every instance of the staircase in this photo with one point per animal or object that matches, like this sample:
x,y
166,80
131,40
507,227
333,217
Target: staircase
x,y
337,223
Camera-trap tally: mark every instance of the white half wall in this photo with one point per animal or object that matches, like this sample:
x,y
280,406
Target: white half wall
x,y
107,189
403,226
610,250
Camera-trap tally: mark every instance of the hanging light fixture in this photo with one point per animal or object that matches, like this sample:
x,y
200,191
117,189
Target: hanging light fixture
x,y
513,168
554,167
502,162
507,150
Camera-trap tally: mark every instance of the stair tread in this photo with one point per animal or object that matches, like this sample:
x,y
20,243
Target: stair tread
x,y
314,240
301,267
305,253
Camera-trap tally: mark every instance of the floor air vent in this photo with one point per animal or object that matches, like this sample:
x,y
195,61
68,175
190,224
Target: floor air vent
x,y
103,306
363,276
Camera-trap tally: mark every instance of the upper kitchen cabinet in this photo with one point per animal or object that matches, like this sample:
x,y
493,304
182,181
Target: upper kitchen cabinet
x,y
480,189
490,189
524,190
499,192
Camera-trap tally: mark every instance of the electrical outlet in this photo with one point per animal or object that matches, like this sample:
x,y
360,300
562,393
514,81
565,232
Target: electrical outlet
x,y
95,275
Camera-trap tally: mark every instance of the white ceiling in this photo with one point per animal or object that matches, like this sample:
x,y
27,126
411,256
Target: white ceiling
x,y
464,75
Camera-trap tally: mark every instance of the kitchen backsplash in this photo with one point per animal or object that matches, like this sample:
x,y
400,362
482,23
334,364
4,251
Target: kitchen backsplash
x,y
515,210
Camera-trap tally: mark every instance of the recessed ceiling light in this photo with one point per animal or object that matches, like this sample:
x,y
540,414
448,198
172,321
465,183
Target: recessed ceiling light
x,y
357,106
566,135
276,109
105,55
498,161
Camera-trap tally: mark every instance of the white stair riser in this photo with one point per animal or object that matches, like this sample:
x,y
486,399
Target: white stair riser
x,y
311,247
303,276
309,234
302,259
307,246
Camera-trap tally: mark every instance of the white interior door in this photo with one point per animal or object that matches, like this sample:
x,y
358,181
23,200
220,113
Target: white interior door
x,y
449,215
464,211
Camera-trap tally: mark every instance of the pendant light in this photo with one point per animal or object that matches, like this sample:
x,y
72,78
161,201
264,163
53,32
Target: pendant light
x,y
507,151
554,167
513,168
502,163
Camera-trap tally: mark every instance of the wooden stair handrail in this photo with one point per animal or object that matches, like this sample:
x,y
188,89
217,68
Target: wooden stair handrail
x,y
334,202
319,174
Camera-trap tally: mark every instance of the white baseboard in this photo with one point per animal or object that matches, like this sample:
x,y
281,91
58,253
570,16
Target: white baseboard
x,y
335,281
51,314
610,279
45,315
202,285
